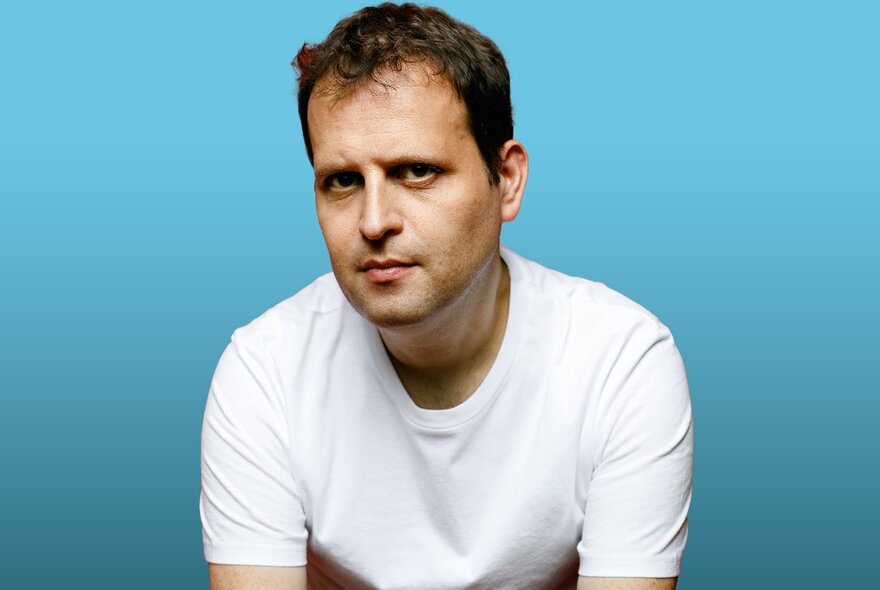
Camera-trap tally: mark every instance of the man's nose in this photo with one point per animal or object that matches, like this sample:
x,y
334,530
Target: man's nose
x,y
379,214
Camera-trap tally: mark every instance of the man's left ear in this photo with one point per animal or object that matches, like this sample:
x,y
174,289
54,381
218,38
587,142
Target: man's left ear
x,y
512,174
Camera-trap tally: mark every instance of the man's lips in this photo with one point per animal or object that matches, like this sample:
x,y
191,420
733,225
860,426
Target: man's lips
x,y
386,270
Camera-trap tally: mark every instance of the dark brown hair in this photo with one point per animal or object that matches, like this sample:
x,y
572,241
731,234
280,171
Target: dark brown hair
x,y
391,36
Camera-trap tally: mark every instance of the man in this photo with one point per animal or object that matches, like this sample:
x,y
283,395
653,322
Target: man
x,y
438,412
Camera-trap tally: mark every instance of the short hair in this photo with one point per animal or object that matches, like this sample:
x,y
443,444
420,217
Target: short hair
x,y
389,37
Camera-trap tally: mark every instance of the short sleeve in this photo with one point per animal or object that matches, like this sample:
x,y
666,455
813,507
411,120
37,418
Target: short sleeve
x,y
250,510
640,490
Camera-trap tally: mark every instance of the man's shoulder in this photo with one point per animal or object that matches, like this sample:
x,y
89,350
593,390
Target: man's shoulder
x,y
597,333
320,301
585,299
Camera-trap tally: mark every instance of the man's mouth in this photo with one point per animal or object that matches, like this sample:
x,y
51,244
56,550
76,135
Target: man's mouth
x,y
386,270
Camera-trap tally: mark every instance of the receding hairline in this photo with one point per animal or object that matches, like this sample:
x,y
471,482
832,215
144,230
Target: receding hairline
x,y
385,76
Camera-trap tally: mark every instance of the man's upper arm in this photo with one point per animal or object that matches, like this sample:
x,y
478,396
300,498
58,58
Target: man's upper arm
x,y
592,583
250,577
249,504
635,521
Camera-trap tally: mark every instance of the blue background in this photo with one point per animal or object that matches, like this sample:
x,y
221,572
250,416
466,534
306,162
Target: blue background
x,y
715,161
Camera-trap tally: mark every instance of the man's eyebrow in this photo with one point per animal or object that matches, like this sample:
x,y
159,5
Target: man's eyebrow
x,y
328,170
387,164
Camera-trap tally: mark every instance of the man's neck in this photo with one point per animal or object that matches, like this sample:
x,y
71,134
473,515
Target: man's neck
x,y
442,362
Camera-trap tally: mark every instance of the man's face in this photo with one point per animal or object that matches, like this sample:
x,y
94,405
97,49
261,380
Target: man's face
x,y
410,219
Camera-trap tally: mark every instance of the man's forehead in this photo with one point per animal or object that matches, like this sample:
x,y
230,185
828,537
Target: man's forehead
x,y
384,81
393,103
413,114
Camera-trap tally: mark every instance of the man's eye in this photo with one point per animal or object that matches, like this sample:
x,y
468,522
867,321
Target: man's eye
x,y
418,171
343,180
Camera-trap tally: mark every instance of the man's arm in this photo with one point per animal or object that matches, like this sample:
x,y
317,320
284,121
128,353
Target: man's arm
x,y
591,583
253,577
249,504
635,521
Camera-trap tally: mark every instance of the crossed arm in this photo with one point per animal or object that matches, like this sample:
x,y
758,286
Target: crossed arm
x,y
245,577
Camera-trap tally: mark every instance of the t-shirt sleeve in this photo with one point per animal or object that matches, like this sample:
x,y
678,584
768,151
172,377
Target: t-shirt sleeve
x,y
249,505
640,490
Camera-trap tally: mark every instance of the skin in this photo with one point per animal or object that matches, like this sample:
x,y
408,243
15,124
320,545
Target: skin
x,y
251,577
592,583
399,180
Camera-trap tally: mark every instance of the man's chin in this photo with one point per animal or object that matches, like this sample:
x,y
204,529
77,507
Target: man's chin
x,y
392,318
391,312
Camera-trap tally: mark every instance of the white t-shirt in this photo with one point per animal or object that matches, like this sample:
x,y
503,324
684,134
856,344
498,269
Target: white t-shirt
x,y
574,456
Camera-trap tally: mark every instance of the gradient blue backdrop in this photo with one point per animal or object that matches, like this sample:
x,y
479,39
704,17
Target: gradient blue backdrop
x,y
716,161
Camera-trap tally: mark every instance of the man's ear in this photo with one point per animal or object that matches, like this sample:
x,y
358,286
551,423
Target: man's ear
x,y
512,175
